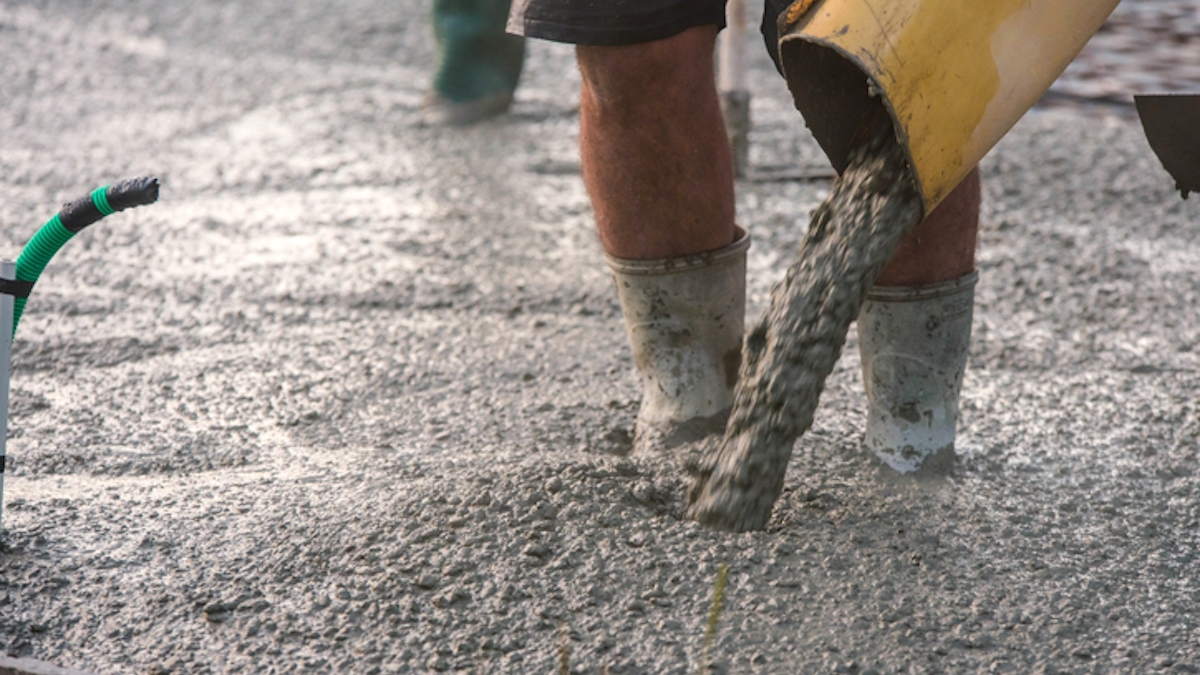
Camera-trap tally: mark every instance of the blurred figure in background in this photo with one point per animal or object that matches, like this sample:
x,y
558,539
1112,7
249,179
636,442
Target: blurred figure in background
x,y
479,64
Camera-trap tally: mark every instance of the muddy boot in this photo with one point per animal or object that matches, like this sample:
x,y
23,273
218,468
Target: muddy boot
x,y
684,317
479,63
914,343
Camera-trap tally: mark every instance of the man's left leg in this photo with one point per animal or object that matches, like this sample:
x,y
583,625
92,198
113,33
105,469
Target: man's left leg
x,y
914,328
914,333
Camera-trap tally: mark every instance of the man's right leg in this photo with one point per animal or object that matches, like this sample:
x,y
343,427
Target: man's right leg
x,y
656,160
657,166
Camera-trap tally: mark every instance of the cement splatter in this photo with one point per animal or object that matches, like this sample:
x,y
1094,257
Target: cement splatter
x,y
796,344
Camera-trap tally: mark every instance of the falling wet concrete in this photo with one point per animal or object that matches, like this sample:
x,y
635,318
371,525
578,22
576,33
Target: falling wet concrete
x,y
350,398
795,346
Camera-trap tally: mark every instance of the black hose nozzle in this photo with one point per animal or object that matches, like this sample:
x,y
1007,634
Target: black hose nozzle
x,y
126,194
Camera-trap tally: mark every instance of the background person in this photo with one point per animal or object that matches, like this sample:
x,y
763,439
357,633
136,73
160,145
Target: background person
x,y
479,64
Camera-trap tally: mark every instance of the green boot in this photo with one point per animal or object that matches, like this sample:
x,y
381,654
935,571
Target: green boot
x,y
480,63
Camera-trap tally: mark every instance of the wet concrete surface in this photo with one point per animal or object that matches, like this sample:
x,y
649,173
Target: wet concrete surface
x,y
1145,48
351,397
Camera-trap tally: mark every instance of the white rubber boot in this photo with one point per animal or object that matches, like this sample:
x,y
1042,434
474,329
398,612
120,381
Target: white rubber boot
x,y
684,318
914,342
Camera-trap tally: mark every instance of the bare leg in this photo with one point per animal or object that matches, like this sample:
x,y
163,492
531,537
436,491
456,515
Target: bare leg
x,y
657,166
941,247
655,156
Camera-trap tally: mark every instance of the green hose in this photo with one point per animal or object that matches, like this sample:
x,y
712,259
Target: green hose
x,y
34,257
73,217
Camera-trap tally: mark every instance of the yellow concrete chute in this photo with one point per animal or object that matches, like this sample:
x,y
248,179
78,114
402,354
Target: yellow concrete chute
x,y
953,75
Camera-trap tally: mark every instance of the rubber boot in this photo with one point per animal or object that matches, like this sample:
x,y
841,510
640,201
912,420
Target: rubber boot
x,y
684,318
480,63
914,342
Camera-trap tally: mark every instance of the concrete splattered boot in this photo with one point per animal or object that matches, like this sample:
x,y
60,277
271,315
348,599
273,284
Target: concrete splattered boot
x,y
684,318
914,343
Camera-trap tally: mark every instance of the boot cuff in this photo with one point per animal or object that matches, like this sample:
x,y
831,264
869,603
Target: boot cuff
x,y
927,292
685,263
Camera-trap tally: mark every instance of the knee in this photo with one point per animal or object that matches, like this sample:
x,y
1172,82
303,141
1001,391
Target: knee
x,y
627,75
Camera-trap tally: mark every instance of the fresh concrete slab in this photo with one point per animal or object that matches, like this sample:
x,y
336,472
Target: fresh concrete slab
x,y
351,397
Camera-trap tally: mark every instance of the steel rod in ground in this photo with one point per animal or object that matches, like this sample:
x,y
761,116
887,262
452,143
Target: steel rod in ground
x,y
8,270
732,68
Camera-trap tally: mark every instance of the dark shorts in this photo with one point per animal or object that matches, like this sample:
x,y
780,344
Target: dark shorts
x,y
611,22
624,22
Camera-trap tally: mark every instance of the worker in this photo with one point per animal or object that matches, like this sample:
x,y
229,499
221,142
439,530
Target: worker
x,y
657,167
479,64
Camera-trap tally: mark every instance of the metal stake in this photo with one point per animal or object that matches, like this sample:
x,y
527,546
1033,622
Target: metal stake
x,y
731,83
8,270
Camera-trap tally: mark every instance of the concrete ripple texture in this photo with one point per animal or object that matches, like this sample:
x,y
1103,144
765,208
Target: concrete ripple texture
x,y
352,397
